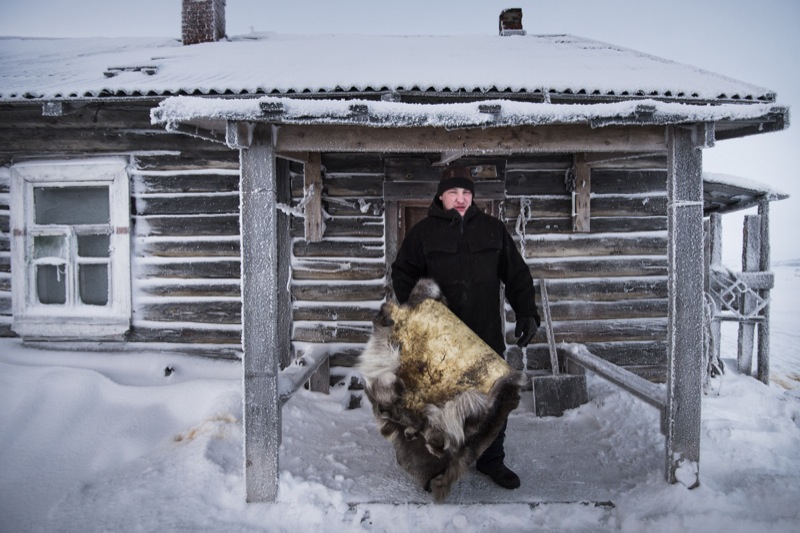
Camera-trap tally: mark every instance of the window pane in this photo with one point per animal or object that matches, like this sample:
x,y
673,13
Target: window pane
x,y
93,245
51,284
94,284
50,246
71,205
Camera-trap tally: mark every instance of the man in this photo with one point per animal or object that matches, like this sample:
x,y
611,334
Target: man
x,y
469,254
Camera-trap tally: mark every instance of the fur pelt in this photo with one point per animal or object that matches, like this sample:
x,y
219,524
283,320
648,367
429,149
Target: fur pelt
x,y
439,393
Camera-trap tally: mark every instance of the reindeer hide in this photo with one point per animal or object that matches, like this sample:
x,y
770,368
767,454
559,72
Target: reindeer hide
x,y
439,393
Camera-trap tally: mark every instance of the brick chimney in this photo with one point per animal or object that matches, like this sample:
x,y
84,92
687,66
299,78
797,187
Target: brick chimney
x,y
203,21
511,22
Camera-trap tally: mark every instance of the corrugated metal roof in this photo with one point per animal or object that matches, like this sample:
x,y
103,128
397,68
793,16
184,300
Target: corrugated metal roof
x,y
544,68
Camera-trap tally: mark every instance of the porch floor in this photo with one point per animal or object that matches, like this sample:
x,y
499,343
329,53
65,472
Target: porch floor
x,y
588,455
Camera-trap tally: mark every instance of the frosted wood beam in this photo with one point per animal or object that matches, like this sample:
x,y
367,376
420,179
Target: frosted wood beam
x,y
483,141
260,333
751,251
581,216
312,187
764,266
685,306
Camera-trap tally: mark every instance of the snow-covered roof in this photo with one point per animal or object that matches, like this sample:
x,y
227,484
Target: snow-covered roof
x,y
725,193
547,68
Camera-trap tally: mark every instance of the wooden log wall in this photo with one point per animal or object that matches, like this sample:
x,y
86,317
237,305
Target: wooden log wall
x,y
184,217
339,283
607,287
185,255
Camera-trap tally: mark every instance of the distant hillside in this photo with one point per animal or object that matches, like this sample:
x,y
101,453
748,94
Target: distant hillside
x,y
787,262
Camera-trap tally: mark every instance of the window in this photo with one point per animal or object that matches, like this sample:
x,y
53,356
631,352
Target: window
x,y
71,251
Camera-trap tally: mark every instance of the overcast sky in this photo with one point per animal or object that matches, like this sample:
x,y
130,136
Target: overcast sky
x,y
756,42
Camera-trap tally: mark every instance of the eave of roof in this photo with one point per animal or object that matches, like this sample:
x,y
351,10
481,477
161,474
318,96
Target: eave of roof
x,y
214,113
724,193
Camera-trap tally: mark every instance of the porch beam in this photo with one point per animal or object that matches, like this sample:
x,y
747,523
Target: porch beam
x,y
474,141
685,305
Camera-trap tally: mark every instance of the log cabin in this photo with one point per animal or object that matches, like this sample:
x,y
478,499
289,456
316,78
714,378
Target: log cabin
x,y
244,197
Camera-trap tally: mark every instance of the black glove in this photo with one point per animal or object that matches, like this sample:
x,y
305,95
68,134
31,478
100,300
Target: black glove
x,y
526,329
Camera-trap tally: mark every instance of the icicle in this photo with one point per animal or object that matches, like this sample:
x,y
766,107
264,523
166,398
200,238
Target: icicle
x,y
525,215
300,210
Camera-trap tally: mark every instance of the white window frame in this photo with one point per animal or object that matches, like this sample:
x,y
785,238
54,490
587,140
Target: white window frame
x,y
72,320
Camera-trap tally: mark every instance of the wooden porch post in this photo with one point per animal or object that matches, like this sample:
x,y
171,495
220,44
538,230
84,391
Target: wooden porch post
x,y
685,285
260,311
764,266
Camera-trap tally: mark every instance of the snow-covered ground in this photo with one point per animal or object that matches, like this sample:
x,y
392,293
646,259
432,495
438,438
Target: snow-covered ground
x,y
107,442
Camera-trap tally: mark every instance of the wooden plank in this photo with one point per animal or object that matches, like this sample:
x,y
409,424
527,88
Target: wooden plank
x,y
200,269
643,308
685,339
329,334
599,267
355,162
337,270
478,141
344,227
198,289
621,353
611,330
189,226
204,311
196,158
608,289
617,206
583,331
332,313
91,141
344,185
535,182
173,333
581,221
541,207
185,183
194,204
111,115
628,181
590,245
339,248
411,168
188,248
327,292
312,198
629,224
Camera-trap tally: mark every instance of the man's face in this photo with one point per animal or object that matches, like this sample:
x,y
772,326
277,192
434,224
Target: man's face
x,y
458,199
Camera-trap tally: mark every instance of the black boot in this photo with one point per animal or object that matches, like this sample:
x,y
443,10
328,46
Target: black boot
x,y
501,474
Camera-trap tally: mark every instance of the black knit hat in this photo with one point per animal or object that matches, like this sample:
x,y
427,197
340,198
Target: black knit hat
x,y
456,178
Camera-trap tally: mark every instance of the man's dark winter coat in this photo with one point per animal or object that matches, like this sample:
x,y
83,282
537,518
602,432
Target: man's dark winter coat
x,y
468,258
